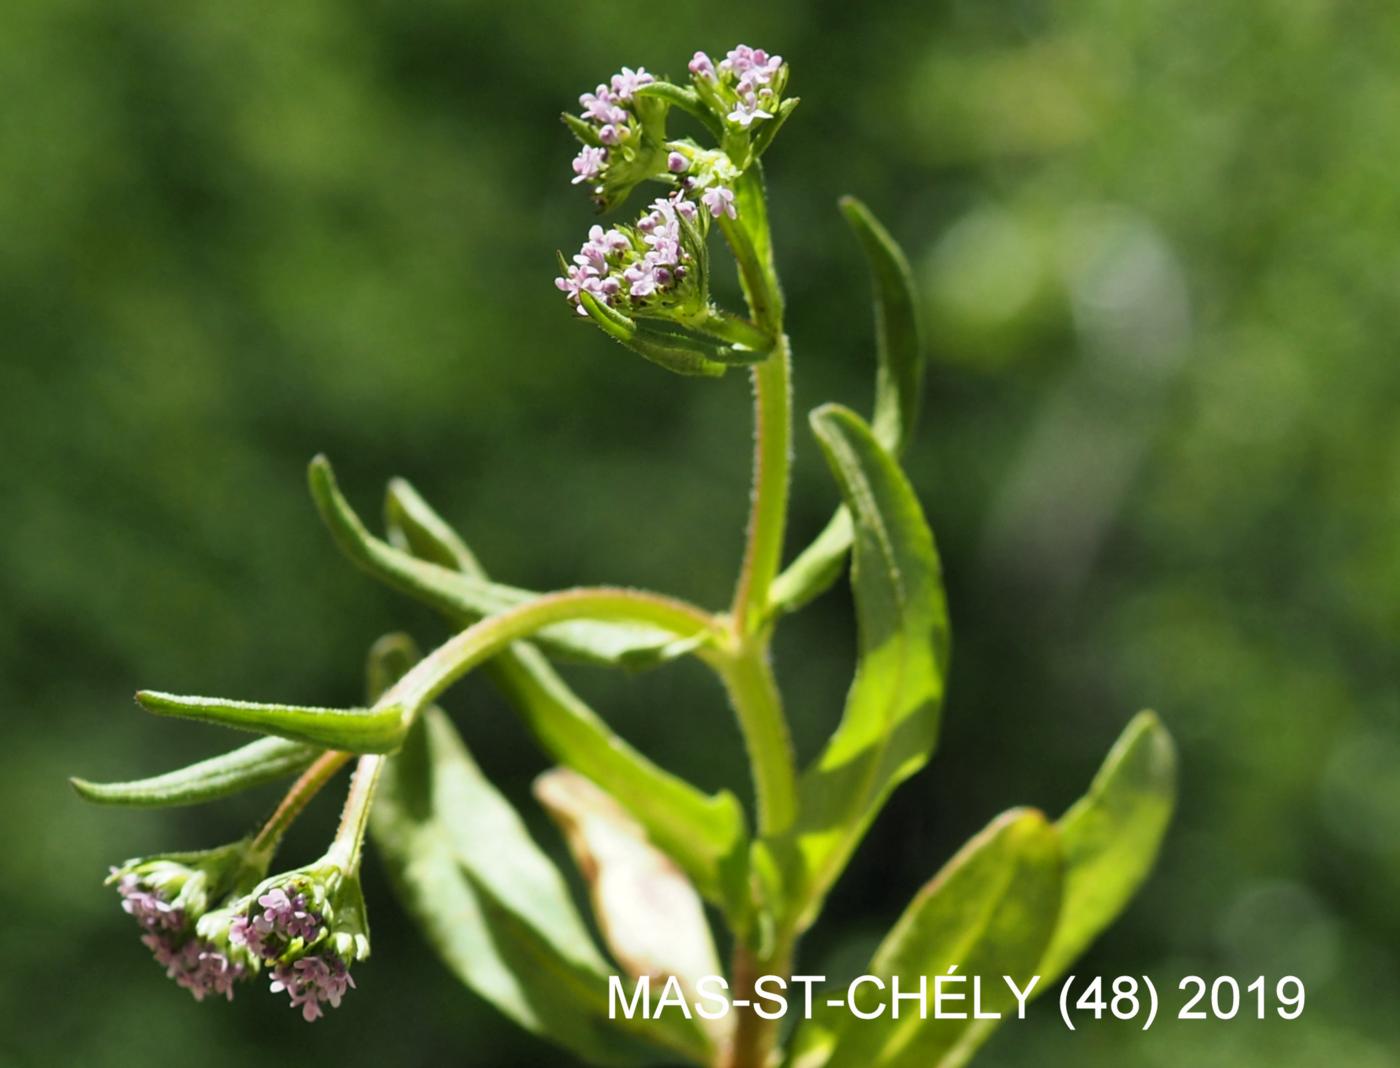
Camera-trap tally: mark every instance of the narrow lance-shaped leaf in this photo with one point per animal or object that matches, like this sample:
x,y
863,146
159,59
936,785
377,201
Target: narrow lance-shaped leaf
x,y
650,916
769,130
989,914
890,724
465,598
254,764
493,906
356,730
703,833
899,378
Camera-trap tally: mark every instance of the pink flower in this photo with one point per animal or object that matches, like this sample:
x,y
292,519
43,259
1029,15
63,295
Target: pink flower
x,y
676,163
150,910
701,66
747,109
195,965
589,163
601,106
629,81
720,200
751,64
312,981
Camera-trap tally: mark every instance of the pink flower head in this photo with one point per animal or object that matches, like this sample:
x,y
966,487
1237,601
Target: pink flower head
x,y
676,163
589,163
720,200
278,919
627,82
312,981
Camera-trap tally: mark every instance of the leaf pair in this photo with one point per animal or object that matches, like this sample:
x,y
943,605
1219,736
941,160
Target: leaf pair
x,y
1022,900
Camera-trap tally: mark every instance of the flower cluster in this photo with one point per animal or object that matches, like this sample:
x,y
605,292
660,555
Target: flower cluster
x,y
643,267
306,926
279,919
311,981
654,267
745,86
622,134
195,965
606,109
166,895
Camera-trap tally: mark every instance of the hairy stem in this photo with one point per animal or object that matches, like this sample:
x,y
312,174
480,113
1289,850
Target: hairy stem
x,y
354,817
748,677
763,550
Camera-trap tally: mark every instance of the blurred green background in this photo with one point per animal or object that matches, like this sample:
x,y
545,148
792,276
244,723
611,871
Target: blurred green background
x,y
1158,246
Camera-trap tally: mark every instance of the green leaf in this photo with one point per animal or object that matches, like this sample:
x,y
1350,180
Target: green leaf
x,y
890,724
1112,836
769,129
703,833
465,599
415,527
355,730
265,760
1110,839
990,914
584,131
675,352
389,659
899,377
495,909
648,912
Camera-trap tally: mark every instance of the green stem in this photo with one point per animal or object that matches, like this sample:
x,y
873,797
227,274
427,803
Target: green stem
x,y
748,678
749,239
354,817
763,551
479,642
754,1038
307,786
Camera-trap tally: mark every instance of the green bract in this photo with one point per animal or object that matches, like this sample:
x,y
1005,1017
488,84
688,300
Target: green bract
x,y
1019,902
